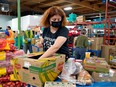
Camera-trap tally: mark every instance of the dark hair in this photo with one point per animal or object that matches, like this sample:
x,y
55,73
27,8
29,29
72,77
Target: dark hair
x,y
9,27
0,27
83,31
51,12
14,31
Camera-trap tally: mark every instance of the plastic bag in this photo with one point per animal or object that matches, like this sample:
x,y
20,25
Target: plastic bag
x,y
70,70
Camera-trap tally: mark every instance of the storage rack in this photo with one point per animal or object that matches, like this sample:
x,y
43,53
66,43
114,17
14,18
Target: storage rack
x,y
108,29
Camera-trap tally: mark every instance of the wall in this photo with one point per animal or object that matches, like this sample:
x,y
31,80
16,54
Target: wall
x,y
4,19
29,20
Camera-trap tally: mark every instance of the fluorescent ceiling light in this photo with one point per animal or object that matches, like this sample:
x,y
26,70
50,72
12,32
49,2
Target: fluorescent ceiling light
x,y
68,8
113,1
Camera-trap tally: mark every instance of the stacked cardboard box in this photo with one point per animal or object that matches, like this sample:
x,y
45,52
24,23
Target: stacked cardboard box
x,y
104,77
80,19
96,64
105,51
97,42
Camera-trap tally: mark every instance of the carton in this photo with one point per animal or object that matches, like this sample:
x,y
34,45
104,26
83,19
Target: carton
x,y
97,42
100,77
80,19
37,72
106,52
113,51
96,64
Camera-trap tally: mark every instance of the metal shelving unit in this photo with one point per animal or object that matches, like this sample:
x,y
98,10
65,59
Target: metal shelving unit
x,y
108,29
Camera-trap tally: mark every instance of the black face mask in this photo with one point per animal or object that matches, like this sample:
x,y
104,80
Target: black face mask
x,y
56,24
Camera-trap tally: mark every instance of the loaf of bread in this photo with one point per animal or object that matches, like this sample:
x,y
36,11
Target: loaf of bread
x,y
84,77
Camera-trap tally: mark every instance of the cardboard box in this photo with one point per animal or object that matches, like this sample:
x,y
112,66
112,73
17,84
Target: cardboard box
x,y
97,42
96,64
36,72
80,19
100,77
105,51
113,51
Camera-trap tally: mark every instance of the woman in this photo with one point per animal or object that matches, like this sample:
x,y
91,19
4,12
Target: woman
x,y
55,35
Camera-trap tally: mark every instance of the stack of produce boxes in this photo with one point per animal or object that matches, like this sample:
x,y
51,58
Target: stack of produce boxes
x,y
8,77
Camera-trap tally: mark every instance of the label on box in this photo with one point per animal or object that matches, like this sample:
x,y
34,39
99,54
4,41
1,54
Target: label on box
x,y
45,73
26,64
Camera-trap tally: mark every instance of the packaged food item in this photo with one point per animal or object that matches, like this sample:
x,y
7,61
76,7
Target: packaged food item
x,y
84,77
70,70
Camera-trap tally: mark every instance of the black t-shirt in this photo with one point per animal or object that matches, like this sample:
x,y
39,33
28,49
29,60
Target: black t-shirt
x,y
49,39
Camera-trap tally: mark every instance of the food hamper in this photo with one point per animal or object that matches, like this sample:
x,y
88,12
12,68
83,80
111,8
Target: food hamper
x,y
8,77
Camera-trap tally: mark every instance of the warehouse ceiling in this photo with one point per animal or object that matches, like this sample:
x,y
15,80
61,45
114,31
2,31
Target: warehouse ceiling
x,y
89,8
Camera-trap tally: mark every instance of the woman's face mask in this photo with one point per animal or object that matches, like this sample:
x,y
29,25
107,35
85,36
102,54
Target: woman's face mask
x,y
56,21
56,24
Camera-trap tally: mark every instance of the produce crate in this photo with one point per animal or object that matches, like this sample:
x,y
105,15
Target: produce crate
x,y
37,72
96,64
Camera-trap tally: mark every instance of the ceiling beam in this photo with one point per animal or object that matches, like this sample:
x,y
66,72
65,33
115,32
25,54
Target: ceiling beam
x,y
26,8
48,3
34,1
86,4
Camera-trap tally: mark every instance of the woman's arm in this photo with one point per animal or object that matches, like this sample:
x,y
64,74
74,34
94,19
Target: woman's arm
x,y
55,47
40,44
